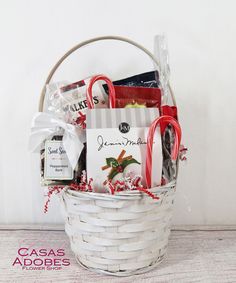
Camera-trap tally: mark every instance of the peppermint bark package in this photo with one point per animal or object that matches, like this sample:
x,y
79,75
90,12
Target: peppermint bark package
x,y
68,103
61,146
116,144
56,168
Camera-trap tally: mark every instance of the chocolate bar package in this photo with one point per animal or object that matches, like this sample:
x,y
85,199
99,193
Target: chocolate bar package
x,y
148,79
137,97
169,165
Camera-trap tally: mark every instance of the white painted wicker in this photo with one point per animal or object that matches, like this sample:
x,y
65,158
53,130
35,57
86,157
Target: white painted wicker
x,y
122,234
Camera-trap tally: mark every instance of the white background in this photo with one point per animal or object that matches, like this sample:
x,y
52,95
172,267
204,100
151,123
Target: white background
x,y
202,47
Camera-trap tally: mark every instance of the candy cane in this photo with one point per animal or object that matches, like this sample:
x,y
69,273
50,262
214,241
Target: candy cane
x,y
175,150
110,88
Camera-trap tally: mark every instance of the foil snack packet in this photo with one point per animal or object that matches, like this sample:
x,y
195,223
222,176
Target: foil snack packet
x,y
69,102
137,97
148,79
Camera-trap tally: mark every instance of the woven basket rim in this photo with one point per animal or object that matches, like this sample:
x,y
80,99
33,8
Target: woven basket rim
x,y
124,195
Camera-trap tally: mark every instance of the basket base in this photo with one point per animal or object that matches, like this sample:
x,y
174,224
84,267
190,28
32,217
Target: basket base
x,y
124,273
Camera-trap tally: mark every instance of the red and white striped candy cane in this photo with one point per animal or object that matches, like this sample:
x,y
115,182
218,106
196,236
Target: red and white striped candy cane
x,y
111,90
175,150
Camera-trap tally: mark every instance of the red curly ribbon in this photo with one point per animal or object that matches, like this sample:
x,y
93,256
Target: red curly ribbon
x,y
81,120
144,190
183,150
119,186
83,186
129,184
51,190
109,186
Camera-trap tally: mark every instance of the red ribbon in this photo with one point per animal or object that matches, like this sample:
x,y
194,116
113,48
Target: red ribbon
x,y
175,150
81,120
169,111
144,190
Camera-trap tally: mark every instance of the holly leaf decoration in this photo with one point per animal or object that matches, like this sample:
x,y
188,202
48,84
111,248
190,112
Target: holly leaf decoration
x,y
112,174
124,164
112,162
127,162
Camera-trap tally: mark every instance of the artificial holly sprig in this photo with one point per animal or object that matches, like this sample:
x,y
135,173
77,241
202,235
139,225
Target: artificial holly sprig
x,y
118,164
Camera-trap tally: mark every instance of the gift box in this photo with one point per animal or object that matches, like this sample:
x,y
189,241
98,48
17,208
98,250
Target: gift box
x,y
118,213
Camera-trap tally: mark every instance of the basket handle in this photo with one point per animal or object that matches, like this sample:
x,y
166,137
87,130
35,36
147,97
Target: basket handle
x,y
150,137
86,42
111,90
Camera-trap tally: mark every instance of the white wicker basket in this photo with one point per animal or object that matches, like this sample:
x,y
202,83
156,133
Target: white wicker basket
x,y
120,234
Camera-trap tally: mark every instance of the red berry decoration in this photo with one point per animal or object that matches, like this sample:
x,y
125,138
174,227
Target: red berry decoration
x,y
120,169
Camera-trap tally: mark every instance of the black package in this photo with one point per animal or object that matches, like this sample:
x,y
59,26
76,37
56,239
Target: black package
x,y
169,165
149,79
